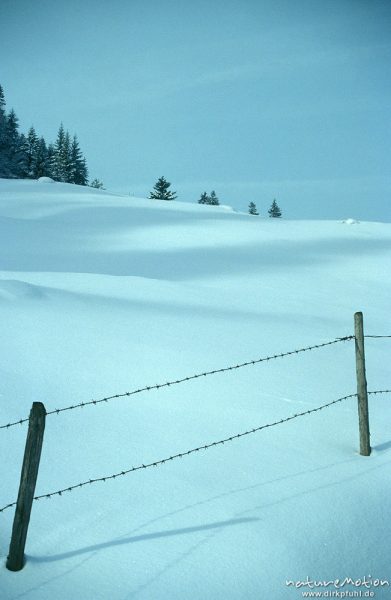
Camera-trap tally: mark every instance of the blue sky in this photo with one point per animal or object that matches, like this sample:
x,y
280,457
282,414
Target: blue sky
x,y
255,99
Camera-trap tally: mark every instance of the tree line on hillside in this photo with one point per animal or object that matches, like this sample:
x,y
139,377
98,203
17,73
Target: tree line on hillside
x,y
30,157
161,191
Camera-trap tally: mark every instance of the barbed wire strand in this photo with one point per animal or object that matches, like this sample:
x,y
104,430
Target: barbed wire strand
x,y
182,454
377,336
148,388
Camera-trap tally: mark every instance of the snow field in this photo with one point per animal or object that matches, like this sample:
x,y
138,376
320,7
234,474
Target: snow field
x,y
102,294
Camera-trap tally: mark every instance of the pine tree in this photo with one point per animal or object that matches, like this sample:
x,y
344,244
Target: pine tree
x,y
2,100
61,162
4,170
40,164
213,199
20,162
161,192
50,160
274,210
96,183
67,159
204,198
15,153
55,158
30,148
79,173
252,209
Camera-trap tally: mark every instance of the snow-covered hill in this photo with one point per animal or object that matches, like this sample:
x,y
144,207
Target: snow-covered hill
x,y
102,294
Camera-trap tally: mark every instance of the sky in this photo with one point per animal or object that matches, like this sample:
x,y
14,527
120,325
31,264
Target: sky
x,y
253,99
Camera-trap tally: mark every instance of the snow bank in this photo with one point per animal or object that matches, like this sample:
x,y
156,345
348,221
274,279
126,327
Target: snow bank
x,y
45,180
351,222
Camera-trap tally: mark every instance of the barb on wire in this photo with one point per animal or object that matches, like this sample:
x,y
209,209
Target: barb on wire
x,y
182,454
148,388
8,425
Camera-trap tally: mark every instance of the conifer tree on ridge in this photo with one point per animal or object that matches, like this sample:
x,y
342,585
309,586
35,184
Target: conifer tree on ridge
x,y
30,147
97,184
213,199
40,163
274,210
79,171
4,167
161,192
204,198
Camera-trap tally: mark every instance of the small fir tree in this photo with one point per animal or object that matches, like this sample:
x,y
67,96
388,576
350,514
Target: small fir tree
x,y
213,199
204,198
161,192
252,209
274,210
96,183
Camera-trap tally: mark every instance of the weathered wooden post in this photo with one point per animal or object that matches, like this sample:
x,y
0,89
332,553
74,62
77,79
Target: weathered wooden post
x,y
362,394
28,478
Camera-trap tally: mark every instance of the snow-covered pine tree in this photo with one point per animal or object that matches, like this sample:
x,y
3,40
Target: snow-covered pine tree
x,y
2,99
161,192
79,173
20,158
67,158
61,163
30,148
55,165
4,170
252,209
274,210
15,153
50,160
204,198
213,199
40,164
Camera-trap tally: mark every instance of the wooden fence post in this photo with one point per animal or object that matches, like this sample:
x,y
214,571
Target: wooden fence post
x,y
362,394
28,478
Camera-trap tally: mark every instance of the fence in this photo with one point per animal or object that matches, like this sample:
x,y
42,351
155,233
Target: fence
x,y
38,414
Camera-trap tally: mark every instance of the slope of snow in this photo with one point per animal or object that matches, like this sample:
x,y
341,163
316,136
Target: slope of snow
x,y
101,294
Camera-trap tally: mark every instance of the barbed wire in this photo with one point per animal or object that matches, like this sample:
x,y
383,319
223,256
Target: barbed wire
x,y
20,422
380,392
148,388
377,336
186,453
